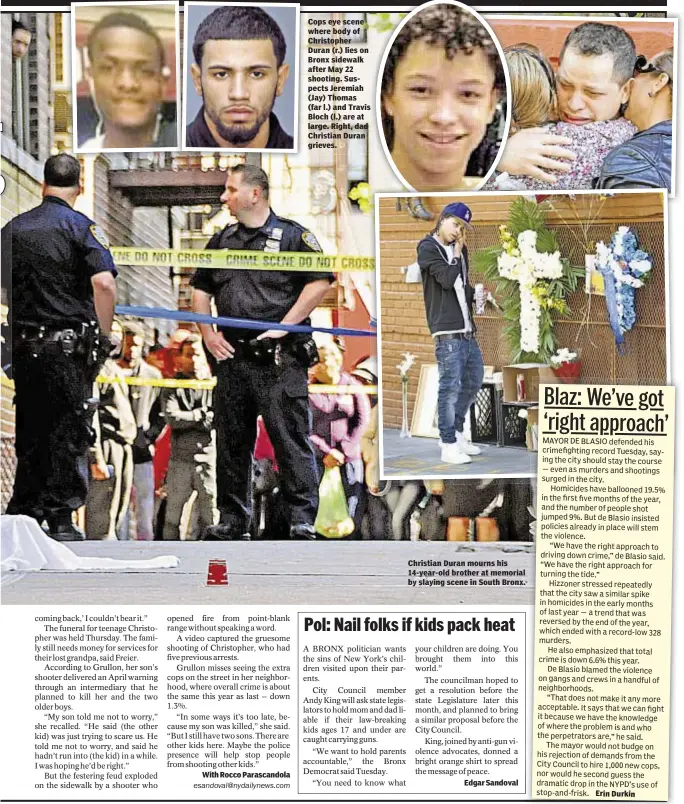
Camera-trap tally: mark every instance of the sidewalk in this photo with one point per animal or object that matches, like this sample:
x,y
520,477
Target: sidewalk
x,y
275,573
420,458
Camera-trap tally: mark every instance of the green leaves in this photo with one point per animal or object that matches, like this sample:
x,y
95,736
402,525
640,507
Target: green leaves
x,y
484,261
525,214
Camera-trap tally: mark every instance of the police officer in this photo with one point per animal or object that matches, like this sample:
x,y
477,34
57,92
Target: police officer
x,y
63,296
266,374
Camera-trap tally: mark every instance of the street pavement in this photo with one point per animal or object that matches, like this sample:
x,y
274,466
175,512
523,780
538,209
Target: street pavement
x,y
420,458
278,573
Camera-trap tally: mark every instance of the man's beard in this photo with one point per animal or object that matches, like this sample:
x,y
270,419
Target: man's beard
x,y
238,134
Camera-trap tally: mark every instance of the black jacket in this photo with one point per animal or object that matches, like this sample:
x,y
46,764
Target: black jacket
x,y
442,310
51,254
258,295
197,134
643,161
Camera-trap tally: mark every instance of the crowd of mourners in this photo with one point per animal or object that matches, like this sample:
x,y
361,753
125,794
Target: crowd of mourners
x,y
155,477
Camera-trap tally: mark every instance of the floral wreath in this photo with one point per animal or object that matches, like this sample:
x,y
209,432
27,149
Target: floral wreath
x,y
532,278
624,267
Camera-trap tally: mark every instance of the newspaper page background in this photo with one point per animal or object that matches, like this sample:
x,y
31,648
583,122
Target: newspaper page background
x,y
602,672
284,674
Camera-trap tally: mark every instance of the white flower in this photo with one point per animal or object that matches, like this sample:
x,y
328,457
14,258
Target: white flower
x,y
522,413
603,254
640,266
529,321
563,355
527,242
618,237
406,363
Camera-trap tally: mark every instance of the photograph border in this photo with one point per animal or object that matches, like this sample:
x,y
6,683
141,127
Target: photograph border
x,y
538,17
515,193
378,89
187,54
72,10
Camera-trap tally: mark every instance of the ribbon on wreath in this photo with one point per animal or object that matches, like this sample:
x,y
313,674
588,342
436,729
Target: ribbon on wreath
x,y
624,267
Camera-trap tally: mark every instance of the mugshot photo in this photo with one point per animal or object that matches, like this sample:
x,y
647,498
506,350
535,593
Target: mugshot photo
x,y
125,66
442,99
241,77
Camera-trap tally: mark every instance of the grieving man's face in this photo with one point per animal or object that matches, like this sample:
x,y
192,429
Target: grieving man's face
x,y
239,81
587,90
126,78
21,39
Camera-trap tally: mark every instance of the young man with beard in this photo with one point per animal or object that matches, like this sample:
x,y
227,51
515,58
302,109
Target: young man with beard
x,y
593,82
238,72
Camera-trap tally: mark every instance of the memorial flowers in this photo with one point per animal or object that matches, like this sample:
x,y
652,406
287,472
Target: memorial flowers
x,y
566,365
624,267
404,368
532,277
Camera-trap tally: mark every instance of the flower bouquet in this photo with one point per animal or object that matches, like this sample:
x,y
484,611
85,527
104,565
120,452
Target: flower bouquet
x,y
566,365
404,368
533,280
624,267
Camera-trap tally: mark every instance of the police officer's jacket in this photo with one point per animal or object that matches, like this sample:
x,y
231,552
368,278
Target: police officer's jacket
x,y
261,295
54,251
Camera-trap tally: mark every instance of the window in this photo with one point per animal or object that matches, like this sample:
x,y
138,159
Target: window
x,y
357,162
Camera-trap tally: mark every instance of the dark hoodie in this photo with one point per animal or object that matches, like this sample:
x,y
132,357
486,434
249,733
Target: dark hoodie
x,y
442,310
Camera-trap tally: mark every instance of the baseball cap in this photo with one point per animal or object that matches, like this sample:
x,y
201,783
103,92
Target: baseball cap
x,y
458,210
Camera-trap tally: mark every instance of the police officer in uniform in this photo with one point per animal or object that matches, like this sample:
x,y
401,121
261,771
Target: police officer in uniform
x,y
63,296
261,373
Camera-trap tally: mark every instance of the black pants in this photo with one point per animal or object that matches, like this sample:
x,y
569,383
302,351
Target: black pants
x,y
52,430
280,394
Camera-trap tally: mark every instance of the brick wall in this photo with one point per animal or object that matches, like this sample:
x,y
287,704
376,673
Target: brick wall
x,y
403,326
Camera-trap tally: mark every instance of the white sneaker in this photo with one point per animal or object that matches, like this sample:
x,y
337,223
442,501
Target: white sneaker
x,y
467,446
451,453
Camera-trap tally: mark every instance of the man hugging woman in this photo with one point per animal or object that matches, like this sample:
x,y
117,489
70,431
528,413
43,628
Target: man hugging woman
x,y
604,120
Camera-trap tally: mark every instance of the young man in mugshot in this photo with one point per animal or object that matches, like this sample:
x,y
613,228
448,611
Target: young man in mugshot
x,y
443,261
127,72
238,72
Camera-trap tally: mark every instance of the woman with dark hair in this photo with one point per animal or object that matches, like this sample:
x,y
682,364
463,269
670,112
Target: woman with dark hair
x,y
646,159
440,86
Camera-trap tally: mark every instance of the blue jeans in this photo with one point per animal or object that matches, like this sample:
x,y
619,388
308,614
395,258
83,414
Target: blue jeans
x,y
461,371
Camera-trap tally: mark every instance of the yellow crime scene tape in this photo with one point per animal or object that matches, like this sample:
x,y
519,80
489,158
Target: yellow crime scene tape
x,y
242,260
210,383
